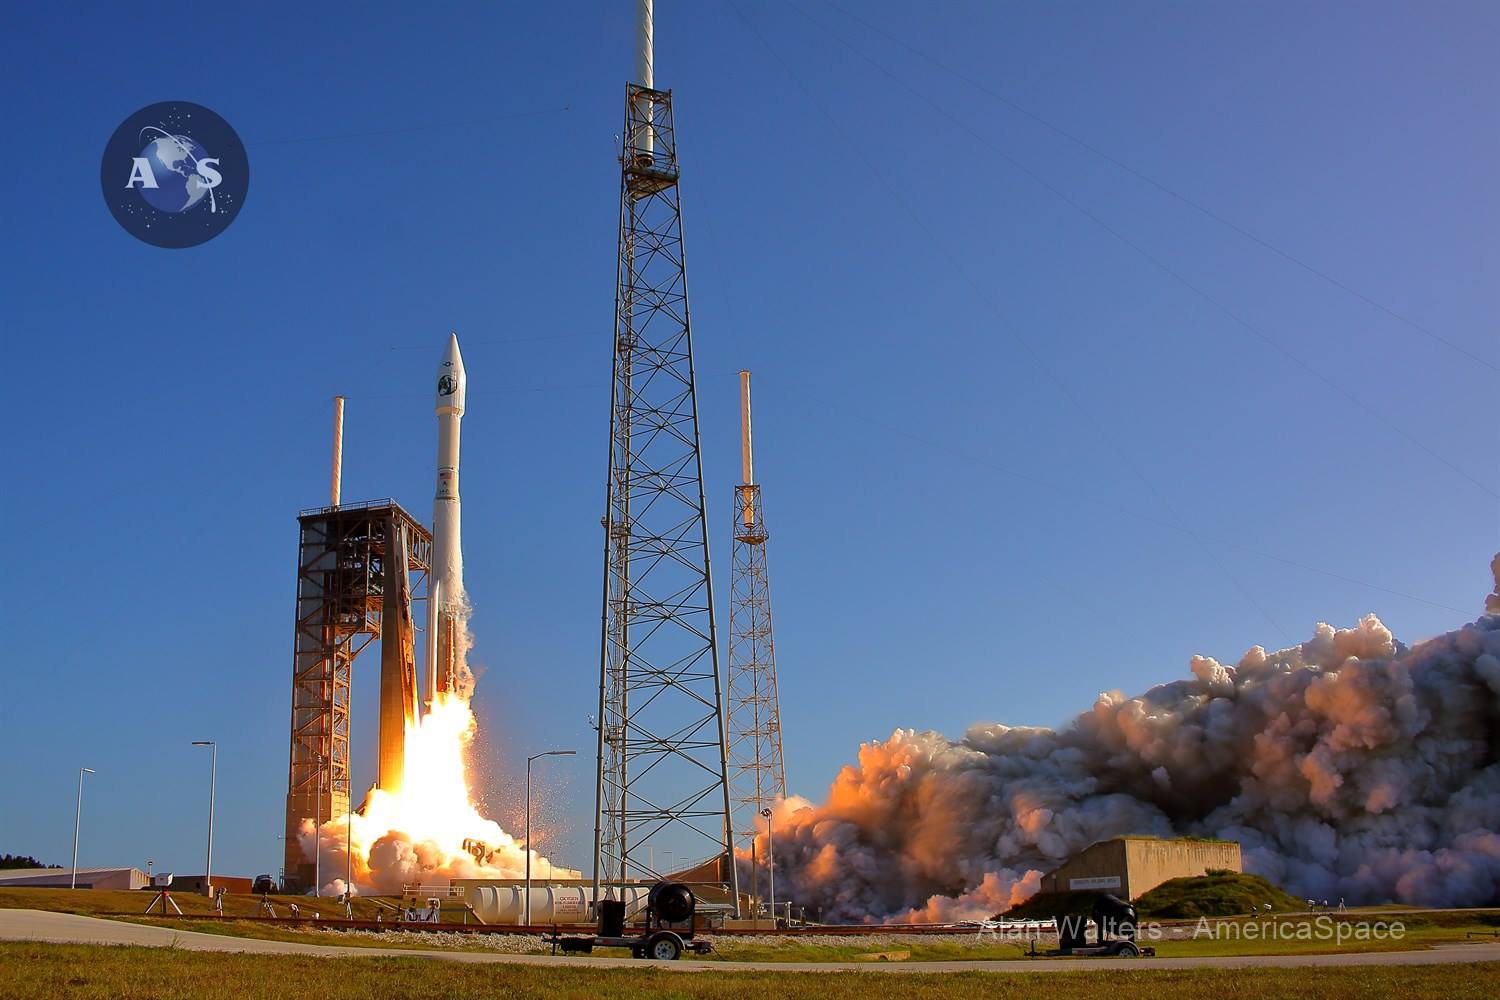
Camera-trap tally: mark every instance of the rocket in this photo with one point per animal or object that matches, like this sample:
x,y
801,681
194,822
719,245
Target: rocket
x,y
445,589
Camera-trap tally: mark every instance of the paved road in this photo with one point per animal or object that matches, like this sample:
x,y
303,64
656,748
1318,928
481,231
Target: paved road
x,y
39,925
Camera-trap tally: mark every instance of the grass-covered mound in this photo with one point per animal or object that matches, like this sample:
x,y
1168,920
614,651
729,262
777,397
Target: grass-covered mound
x,y
1220,893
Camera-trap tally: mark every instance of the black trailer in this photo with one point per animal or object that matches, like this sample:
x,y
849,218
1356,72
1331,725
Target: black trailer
x,y
1115,922
667,933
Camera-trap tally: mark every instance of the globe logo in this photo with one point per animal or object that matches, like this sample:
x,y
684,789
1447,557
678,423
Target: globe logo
x,y
175,174
180,173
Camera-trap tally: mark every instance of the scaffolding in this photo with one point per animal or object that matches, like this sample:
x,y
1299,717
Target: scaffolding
x,y
346,563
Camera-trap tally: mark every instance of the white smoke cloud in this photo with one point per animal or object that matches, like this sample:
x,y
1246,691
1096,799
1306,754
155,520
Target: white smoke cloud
x,y
386,860
1348,766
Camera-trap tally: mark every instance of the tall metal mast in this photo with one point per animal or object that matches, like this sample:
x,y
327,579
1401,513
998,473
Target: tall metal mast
x,y
757,776
662,787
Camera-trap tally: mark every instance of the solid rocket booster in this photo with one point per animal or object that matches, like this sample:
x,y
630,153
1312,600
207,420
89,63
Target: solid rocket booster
x,y
445,589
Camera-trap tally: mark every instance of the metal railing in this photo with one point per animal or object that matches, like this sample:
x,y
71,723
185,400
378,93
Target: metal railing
x,y
441,891
363,505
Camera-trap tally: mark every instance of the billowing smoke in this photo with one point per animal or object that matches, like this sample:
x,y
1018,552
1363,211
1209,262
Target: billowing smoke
x,y
1492,602
387,860
1348,766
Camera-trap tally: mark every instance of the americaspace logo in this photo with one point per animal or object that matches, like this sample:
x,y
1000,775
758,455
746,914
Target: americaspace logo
x,y
174,174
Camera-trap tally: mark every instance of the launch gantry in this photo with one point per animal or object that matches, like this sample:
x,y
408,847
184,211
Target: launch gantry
x,y
352,559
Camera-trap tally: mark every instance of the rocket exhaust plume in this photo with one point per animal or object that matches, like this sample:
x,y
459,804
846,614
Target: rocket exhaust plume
x,y
425,828
1348,766
430,831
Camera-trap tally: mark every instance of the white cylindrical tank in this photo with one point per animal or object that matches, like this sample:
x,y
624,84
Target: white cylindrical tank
x,y
550,904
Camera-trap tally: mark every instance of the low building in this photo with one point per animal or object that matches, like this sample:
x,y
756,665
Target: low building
x,y
195,883
1130,867
62,878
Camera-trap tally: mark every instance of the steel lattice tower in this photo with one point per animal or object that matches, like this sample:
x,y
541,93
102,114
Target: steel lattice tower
x,y
349,557
661,782
757,776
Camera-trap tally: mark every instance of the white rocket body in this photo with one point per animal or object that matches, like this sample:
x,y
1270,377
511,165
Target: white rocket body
x,y
445,591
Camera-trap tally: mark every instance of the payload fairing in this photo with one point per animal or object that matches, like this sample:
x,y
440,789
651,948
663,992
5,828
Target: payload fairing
x,y
446,601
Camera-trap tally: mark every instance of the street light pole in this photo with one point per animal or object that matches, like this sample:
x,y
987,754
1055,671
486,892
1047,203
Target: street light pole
x,y
318,834
771,862
526,900
213,780
77,818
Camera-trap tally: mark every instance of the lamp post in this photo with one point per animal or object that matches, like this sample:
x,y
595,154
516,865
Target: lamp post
x,y
771,862
349,852
77,818
318,833
213,779
526,903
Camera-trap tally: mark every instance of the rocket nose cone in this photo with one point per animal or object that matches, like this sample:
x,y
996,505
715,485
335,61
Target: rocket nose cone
x,y
452,381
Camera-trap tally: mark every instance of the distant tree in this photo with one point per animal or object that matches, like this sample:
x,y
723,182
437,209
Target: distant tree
x,y
22,861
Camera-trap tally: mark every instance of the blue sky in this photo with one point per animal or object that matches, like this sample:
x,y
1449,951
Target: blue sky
x,y
1029,425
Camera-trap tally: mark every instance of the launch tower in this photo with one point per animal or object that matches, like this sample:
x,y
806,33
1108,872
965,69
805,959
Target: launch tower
x,y
662,783
350,560
757,777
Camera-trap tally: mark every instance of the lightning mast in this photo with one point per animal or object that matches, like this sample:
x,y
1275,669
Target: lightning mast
x,y
757,776
662,787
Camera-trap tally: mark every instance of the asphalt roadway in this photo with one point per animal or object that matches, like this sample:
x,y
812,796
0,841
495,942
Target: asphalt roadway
x,y
68,928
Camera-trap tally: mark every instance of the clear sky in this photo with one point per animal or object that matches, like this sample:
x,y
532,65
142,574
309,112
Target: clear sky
x,y
1031,423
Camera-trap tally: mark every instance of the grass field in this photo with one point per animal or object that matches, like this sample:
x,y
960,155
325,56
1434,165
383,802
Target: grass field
x,y
42,972
92,902
133,903
881,948
974,947
1423,930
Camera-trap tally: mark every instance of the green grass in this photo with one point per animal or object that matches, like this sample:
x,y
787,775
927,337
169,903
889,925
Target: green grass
x,y
307,935
1217,894
1418,936
889,949
30,971
1424,929
99,902
909,949
1415,939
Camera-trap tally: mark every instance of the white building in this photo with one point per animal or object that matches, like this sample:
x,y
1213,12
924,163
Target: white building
x,y
62,878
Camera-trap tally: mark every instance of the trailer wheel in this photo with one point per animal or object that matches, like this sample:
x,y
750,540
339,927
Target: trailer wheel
x,y
664,947
1128,950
